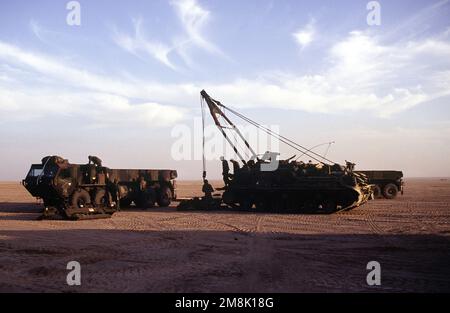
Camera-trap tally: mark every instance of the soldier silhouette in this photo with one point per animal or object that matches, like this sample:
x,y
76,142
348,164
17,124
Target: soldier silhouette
x,y
225,171
207,190
95,160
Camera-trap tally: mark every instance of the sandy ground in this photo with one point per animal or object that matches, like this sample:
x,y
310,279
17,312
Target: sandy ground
x,y
163,250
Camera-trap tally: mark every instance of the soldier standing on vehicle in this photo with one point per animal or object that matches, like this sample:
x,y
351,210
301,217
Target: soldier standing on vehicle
x,y
225,171
207,190
236,166
350,166
95,160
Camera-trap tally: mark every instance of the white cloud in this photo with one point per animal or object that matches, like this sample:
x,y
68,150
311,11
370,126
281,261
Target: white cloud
x,y
95,109
193,19
363,74
36,29
138,43
304,36
35,86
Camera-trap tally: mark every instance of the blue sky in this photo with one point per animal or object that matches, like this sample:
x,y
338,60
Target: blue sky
x,y
120,82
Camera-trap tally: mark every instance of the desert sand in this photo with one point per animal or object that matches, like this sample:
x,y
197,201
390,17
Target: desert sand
x,y
164,250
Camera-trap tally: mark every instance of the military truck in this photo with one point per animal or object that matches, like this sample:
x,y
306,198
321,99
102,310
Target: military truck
x,y
387,183
78,191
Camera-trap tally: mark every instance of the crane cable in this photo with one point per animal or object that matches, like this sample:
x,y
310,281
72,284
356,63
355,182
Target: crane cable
x,y
203,137
283,139
316,146
328,148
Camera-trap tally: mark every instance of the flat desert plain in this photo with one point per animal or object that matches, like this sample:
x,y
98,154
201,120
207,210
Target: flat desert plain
x,y
164,250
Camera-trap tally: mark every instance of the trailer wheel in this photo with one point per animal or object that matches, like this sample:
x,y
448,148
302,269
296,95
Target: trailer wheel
x,y
390,191
377,192
125,203
80,199
164,196
146,199
102,199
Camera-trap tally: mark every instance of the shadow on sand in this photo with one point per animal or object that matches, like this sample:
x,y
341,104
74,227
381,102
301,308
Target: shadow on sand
x,y
33,207
219,261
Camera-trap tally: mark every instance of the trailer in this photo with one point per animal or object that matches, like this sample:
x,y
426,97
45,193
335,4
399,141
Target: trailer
x,y
387,183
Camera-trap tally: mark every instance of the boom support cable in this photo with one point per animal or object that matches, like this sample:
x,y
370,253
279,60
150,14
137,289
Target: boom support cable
x,y
203,137
216,112
283,139
316,146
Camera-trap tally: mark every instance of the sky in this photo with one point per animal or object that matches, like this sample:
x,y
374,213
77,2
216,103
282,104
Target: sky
x,y
124,84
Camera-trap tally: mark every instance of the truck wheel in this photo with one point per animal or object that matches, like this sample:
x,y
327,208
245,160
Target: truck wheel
x,y
125,203
80,199
390,191
146,199
377,192
101,198
164,196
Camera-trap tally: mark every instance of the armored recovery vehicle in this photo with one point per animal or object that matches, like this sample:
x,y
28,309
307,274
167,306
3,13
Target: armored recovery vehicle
x,y
282,185
77,191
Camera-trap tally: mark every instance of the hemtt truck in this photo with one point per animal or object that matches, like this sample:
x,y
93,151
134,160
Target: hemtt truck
x,y
77,191
387,183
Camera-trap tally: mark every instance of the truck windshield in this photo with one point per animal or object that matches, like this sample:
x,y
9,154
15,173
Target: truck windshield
x,y
35,171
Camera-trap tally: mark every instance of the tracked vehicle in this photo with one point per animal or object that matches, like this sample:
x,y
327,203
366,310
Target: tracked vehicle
x,y
79,191
265,183
296,186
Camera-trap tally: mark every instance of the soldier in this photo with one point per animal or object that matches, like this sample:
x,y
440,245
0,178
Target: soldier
x,y
310,168
236,166
350,166
142,183
95,160
207,190
112,192
225,171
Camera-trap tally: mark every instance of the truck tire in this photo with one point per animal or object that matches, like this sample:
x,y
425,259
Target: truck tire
x,y
164,196
146,199
125,203
377,192
80,198
390,191
101,199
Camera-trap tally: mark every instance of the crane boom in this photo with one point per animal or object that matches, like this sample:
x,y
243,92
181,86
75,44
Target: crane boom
x,y
216,113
